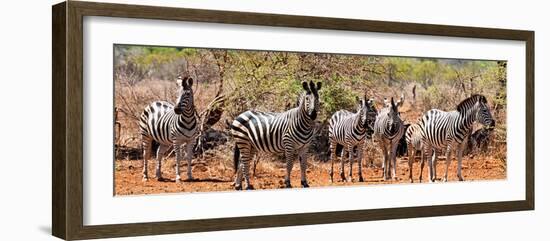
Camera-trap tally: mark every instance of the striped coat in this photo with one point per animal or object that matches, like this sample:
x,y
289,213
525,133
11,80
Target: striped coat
x,y
413,137
170,127
350,131
450,130
287,133
388,130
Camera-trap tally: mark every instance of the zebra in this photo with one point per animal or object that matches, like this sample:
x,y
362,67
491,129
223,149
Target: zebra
x,y
450,130
413,137
288,132
388,130
350,130
171,128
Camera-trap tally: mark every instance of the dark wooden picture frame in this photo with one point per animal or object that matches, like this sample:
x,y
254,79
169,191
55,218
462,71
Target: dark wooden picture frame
x,y
67,123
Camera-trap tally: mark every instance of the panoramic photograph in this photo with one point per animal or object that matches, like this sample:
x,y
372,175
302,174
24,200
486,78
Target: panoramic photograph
x,y
206,120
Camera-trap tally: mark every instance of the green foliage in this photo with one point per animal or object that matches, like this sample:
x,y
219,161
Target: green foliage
x,y
271,81
336,97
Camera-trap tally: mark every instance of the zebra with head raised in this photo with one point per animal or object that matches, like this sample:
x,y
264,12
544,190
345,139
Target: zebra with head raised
x,y
288,132
171,127
350,130
388,130
450,130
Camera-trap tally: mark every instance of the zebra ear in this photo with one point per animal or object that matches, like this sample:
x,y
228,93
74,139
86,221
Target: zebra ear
x,y
189,82
305,86
483,99
312,87
180,81
319,85
393,105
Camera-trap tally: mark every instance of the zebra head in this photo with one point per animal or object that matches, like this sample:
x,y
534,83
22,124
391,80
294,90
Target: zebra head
x,y
477,109
184,102
367,116
484,115
393,119
371,115
309,101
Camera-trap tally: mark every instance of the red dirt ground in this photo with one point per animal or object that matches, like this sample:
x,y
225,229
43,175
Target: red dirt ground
x,y
215,175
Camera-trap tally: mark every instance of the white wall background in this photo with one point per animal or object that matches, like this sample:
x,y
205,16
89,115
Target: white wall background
x,y
25,122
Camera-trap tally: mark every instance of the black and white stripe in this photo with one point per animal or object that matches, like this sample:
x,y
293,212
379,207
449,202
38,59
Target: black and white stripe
x,y
171,127
450,130
350,130
388,130
289,133
413,137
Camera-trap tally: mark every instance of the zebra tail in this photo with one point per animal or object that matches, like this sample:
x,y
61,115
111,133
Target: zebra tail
x,y
236,156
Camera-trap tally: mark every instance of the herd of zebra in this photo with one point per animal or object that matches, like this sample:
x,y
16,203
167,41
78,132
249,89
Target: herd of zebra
x,y
174,127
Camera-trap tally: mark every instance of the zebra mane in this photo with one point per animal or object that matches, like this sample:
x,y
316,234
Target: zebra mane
x,y
470,101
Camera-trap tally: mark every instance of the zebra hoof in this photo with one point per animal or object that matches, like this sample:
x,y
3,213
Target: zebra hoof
x,y
411,180
287,184
238,187
178,179
159,179
461,179
145,179
304,184
249,187
361,179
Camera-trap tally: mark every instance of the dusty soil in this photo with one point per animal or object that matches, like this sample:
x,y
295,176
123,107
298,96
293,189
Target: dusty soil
x,y
215,175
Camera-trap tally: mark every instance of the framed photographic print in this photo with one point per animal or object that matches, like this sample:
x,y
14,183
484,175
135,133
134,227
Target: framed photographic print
x,y
170,120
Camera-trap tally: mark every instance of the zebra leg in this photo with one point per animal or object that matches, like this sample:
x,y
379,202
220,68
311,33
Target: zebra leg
x,y
239,169
332,157
429,152
411,151
160,153
394,160
303,167
447,162
360,161
385,157
189,158
255,162
422,160
342,175
177,150
434,164
459,162
350,159
290,156
246,172
146,145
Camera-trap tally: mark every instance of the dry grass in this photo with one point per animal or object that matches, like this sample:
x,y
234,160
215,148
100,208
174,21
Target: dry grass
x,y
214,170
